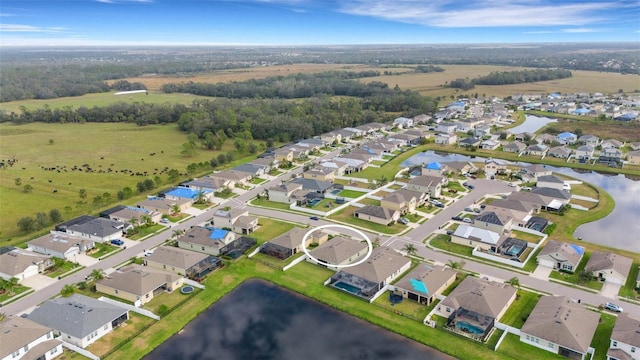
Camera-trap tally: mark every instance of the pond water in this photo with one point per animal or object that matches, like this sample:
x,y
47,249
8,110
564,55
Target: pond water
x,y
531,124
259,320
619,229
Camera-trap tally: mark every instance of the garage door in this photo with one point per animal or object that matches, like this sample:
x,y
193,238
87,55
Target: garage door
x,y
614,280
546,263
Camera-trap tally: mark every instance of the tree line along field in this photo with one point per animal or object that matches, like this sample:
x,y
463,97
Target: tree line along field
x,y
100,146
427,84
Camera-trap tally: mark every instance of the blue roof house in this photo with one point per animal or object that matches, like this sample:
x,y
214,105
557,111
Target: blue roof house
x,y
180,192
207,240
434,167
567,138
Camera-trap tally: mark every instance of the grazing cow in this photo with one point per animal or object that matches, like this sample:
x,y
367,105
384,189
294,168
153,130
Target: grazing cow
x,y
50,181
55,191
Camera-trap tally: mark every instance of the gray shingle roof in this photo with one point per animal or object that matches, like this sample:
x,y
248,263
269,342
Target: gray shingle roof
x,y
173,256
484,297
376,211
600,260
18,332
551,179
100,227
627,330
315,185
338,250
552,193
77,315
137,279
382,263
561,321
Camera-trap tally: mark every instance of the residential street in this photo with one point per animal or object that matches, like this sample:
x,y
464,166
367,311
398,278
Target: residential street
x,y
415,237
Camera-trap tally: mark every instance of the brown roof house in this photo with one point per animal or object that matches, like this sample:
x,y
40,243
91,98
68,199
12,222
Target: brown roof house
x,y
473,306
609,267
370,279
339,250
283,193
60,245
191,264
625,339
497,220
23,264
212,241
403,200
79,319
24,339
560,256
238,220
138,284
290,243
164,206
424,283
377,214
428,184
559,325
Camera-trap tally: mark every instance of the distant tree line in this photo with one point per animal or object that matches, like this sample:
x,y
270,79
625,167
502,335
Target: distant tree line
x,y
511,77
428,69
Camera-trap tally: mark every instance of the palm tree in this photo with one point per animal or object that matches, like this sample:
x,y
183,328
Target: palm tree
x,y
515,282
97,274
135,222
67,290
410,249
11,284
176,233
200,197
146,219
175,209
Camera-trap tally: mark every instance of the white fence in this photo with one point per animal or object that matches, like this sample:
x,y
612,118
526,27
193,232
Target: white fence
x,y
143,312
80,350
295,262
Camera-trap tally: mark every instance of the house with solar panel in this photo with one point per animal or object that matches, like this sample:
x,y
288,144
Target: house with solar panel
x,y
424,283
560,256
207,240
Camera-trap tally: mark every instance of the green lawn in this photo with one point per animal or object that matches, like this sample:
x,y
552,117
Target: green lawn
x,y
275,262
346,215
16,291
322,205
442,241
203,206
146,230
414,218
511,346
602,336
378,162
395,187
170,300
350,194
269,229
456,186
176,218
531,265
407,307
269,204
518,312
574,279
66,266
629,288
103,249
258,181
105,344
390,169
368,201
526,236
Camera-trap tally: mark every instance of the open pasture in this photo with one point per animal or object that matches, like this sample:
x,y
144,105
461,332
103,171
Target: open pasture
x,y
124,148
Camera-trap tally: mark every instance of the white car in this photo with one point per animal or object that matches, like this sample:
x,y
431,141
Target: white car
x,y
512,184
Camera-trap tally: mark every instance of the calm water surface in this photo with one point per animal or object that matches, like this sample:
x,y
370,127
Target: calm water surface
x,y
259,320
531,124
620,229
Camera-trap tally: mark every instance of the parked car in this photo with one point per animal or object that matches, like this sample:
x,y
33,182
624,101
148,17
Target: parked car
x,y
403,221
164,220
117,242
476,210
613,307
474,177
483,206
440,205
457,218
525,188
449,232
467,220
314,218
468,209
512,184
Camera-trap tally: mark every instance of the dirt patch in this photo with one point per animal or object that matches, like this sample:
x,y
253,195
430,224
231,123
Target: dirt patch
x,y
627,131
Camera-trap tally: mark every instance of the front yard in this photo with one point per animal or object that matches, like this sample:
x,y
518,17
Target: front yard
x,y
269,229
66,266
346,215
575,277
145,230
520,309
629,288
102,249
442,241
269,204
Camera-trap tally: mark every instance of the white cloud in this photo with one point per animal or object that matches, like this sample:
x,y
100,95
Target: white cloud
x,y
580,30
29,28
491,13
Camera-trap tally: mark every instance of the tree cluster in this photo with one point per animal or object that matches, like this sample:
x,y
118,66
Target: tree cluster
x,y
428,69
511,77
40,221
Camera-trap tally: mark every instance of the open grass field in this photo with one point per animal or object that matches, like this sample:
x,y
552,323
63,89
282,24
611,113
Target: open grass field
x,y
623,131
117,146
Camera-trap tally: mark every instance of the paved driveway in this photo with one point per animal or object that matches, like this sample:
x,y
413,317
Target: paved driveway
x,y
542,272
38,282
610,290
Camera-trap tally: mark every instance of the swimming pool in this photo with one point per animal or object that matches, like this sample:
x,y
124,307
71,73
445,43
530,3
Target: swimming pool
x,y
314,202
515,250
347,287
466,327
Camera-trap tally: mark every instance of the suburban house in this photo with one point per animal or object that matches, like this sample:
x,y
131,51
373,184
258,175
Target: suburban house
x,y
339,168
560,256
475,237
206,240
233,177
545,139
284,154
346,135
353,164
164,206
585,152
551,181
427,184
403,122
515,147
561,326
283,193
290,243
435,168
525,136
611,143
180,192
370,279
339,251
633,157
206,183
317,186
60,245
377,214
567,138
559,197
532,172
537,149
424,283
589,140
138,284
254,170
23,264
489,144
494,166
446,139
405,139
612,153
497,221
99,230
475,305
482,130
561,152
403,200
320,173
609,267
268,163
461,167
312,143
79,319
25,339
625,338
446,128
190,264
238,220
126,214
421,119
469,141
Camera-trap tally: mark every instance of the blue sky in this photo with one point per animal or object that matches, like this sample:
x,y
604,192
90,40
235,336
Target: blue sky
x,y
314,22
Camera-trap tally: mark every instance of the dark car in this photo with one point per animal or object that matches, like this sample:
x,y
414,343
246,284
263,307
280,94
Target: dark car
x,y
440,205
457,218
314,218
117,242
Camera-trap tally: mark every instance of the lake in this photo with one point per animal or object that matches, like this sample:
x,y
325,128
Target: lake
x,y
259,320
531,124
618,229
